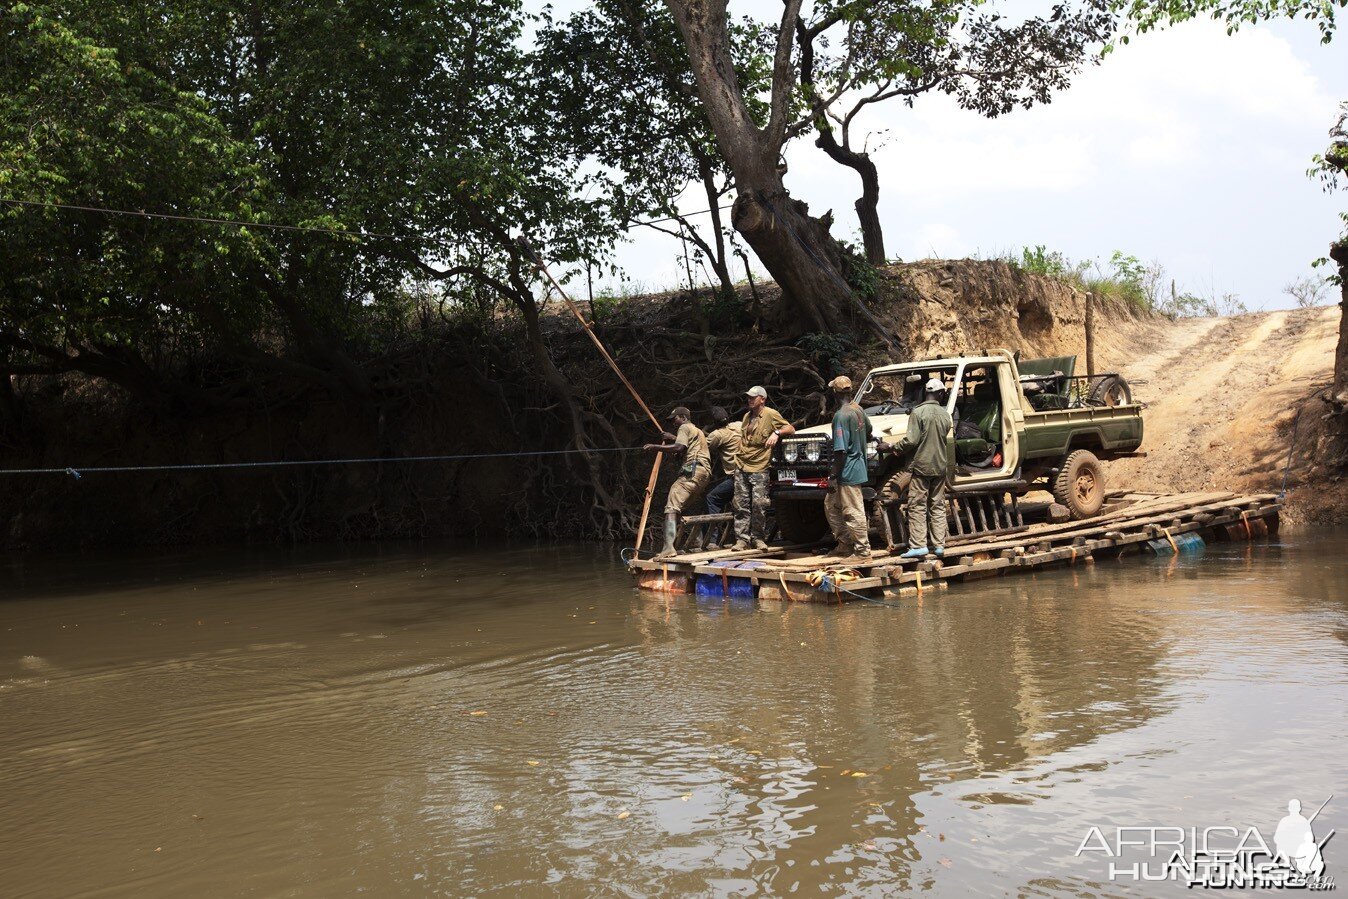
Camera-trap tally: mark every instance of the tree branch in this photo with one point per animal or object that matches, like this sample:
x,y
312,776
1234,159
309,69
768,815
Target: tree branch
x,y
782,79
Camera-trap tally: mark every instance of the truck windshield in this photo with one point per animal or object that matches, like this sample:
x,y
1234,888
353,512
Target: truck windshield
x,y
898,392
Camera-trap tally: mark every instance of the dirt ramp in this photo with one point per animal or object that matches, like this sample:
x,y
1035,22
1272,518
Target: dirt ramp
x,y
1222,396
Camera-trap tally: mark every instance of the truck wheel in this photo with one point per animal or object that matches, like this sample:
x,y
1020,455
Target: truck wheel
x,y
891,492
800,520
1080,485
1111,391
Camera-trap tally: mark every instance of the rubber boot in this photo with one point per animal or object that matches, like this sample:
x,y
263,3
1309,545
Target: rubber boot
x,y
915,553
671,531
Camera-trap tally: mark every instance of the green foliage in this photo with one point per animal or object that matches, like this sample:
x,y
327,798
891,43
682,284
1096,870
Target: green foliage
x,y
415,118
826,351
1331,170
861,275
1040,260
1125,277
1149,14
725,311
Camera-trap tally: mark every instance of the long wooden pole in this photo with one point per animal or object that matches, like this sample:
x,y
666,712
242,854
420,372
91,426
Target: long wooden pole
x,y
613,364
594,338
646,504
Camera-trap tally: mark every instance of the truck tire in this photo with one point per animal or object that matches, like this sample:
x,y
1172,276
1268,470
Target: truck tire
x,y
1111,391
800,520
891,492
1080,485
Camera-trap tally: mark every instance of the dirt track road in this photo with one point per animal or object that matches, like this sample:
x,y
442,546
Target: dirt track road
x,y
1221,394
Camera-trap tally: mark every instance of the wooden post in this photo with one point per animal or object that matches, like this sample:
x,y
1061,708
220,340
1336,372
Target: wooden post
x,y
1090,333
646,504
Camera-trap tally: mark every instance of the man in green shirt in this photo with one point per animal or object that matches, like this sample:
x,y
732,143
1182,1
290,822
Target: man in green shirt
x,y
688,445
929,427
724,445
761,429
844,505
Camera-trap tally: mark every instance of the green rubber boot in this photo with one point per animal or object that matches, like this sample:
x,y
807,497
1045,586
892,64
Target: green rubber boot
x,y
671,531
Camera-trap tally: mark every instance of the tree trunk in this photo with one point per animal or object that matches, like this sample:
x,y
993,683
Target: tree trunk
x,y
799,253
796,249
868,204
720,259
1339,393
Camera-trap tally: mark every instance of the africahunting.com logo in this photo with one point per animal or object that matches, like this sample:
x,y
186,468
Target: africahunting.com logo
x,y
1221,857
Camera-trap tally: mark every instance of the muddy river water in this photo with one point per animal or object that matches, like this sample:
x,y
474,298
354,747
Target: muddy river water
x,y
431,720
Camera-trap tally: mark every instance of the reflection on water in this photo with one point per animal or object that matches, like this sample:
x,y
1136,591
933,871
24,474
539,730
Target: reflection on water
x,y
430,720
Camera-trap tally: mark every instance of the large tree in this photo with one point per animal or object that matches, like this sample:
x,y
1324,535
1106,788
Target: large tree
x,y
875,43
898,51
617,79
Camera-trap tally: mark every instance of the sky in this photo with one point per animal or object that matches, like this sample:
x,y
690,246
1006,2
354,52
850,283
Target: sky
x,y
1187,147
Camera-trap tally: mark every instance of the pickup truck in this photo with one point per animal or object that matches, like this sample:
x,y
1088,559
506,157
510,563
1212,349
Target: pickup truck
x,y
1019,426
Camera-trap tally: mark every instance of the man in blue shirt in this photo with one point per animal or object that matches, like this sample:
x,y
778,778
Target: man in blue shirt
x,y
843,505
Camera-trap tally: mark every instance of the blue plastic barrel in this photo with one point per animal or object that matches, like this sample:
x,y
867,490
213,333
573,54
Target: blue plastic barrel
x,y
1185,544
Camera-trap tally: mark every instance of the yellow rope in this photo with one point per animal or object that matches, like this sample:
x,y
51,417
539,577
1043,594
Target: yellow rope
x,y
835,575
1245,517
1166,531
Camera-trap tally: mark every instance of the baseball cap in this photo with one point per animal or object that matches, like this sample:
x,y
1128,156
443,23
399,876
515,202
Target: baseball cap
x,y
756,391
935,385
842,382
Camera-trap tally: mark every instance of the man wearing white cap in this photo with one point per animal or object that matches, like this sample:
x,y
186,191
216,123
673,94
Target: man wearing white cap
x,y
763,427
929,426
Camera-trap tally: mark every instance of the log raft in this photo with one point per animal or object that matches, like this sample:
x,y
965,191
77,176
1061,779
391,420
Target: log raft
x,y
1130,522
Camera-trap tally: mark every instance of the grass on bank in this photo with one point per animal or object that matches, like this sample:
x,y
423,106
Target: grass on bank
x,y
1128,278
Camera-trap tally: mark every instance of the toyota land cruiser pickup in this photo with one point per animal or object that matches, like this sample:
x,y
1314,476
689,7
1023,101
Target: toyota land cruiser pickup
x,y
1019,426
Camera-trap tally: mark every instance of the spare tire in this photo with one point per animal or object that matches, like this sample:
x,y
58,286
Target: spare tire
x,y
891,493
1111,390
1080,485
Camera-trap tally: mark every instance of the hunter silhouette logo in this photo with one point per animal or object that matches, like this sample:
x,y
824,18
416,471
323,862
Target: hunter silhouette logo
x,y
1294,841
1219,857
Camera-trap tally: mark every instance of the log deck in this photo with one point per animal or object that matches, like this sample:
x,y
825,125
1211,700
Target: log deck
x,y
1128,523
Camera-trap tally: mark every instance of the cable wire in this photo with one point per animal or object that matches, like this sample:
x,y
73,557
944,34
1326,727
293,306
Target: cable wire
x,y
77,472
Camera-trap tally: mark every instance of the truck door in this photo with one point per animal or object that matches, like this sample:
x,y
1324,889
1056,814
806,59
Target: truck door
x,y
985,441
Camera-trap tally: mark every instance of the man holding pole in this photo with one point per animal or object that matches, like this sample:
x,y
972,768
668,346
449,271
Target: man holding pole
x,y
689,445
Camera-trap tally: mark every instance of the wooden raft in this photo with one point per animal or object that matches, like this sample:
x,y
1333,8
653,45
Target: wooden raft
x,y
1128,523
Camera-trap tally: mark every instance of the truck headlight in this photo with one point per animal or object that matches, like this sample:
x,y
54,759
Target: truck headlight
x,y
791,452
813,449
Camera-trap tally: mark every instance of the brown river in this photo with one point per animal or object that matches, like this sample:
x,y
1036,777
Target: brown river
x,y
413,720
